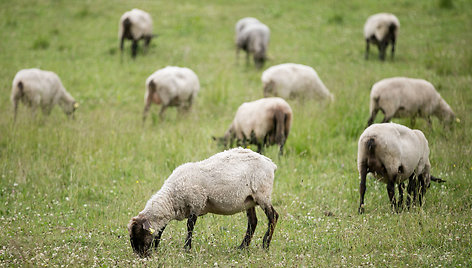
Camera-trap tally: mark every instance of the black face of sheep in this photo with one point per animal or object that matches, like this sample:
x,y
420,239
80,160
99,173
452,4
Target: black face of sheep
x,y
259,60
140,233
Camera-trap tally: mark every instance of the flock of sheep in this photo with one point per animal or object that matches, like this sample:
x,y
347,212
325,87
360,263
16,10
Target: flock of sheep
x,y
239,179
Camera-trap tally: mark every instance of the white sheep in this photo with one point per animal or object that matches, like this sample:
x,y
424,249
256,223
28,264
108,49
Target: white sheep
x,y
291,80
381,29
394,154
254,39
399,97
135,25
39,88
226,183
262,122
171,86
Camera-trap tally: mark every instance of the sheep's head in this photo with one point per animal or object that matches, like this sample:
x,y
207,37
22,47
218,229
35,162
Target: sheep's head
x,y
140,235
259,59
444,112
69,107
269,88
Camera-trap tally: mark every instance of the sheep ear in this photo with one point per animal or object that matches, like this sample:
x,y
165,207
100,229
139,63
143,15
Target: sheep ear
x,y
146,225
76,105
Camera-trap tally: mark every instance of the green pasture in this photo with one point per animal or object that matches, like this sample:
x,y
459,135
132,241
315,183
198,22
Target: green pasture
x,y
68,188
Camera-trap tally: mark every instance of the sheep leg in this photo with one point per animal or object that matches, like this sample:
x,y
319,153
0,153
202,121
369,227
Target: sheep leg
x,y
122,39
147,41
46,109
134,48
428,119
362,188
251,227
393,46
382,49
391,193
372,117
387,118
273,217
161,113
190,225
421,190
146,108
15,108
157,239
410,189
401,186
367,46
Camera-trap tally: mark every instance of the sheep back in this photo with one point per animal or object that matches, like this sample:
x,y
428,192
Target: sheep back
x,y
174,85
289,80
222,183
397,147
378,25
258,117
141,23
242,23
37,87
404,97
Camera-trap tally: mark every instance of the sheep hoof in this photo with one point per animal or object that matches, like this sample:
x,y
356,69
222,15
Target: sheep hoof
x,y
361,210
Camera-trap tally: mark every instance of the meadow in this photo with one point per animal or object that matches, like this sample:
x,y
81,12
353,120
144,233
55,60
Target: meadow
x,y
68,188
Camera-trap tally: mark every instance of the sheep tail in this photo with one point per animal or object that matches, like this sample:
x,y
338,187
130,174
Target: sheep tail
x,y
279,120
152,87
438,180
126,29
371,146
20,88
392,28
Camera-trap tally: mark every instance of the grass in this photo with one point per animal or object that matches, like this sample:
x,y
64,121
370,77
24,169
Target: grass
x,y
69,188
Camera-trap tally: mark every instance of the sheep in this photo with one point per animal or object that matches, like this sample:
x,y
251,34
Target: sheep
x,y
226,183
263,122
135,25
399,97
40,88
381,29
171,86
254,39
290,80
394,153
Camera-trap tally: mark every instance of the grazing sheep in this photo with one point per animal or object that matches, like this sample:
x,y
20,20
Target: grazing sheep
x,y
262,122
381,29
135,25
171,86
254,39
394,153
291,80
226,183
39,88
407,97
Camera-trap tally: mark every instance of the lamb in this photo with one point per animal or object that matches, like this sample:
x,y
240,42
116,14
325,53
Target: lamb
x,y
394,153
171,86
39,88
399,97
262,122
291,80
381,29
135,25
226,183
254,39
